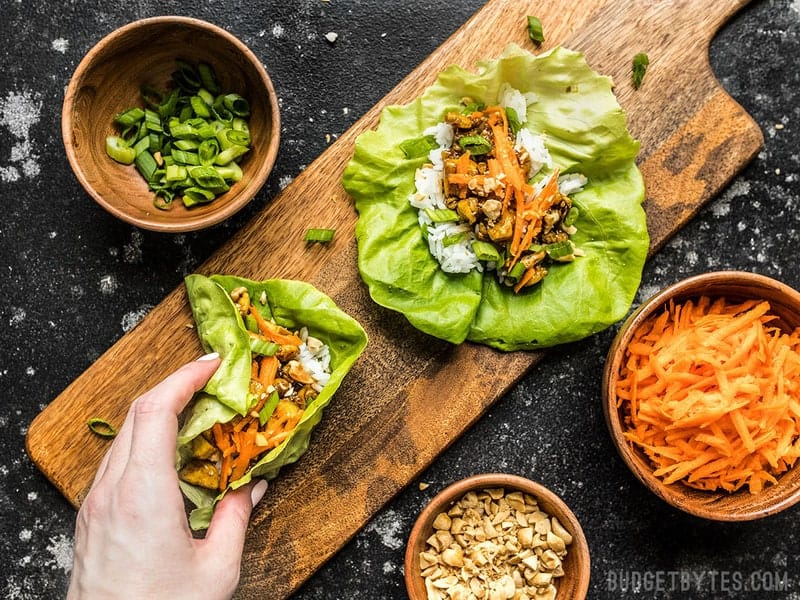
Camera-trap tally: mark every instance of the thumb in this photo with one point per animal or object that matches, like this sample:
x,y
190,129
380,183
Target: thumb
x,y
228,526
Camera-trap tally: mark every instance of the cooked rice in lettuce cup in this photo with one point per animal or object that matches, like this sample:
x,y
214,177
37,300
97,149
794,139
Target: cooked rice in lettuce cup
x,y
230,396
574,111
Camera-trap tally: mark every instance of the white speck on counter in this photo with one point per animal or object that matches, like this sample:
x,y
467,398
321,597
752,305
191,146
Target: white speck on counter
x,y
61,549
52,235
30,371
25,535
389,528
17,316
60,45
19,111
33,496
795,6
389,567
108,284
722,207
331,36
132,253
277,30
284,181
131,319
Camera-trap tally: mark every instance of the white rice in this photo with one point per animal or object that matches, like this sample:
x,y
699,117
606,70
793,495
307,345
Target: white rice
x,y
317,363
571,183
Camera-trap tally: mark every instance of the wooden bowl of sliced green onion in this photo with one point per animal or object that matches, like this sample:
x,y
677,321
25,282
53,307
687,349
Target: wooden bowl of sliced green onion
x,y
171,124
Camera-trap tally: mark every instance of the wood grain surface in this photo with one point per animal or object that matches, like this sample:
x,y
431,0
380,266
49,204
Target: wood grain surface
x,y
409,396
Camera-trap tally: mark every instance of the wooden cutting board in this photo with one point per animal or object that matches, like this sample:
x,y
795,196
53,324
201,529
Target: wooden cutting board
x,y
410,396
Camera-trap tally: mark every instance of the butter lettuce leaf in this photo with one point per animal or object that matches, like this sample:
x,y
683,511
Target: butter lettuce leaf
x,y
585,132
292,304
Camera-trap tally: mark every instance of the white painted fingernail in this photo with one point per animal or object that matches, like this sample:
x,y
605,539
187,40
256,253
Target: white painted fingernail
x,y
211,356
258,491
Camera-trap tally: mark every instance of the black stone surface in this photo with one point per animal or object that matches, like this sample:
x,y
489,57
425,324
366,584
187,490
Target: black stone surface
x,y
74,280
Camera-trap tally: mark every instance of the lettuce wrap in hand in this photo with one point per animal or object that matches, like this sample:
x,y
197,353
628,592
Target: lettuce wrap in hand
x,y
584,136
285,348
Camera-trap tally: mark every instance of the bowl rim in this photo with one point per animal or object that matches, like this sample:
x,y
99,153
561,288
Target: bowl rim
x,y
456,489
205,220
673,494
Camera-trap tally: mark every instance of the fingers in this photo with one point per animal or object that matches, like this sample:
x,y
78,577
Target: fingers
x,y
228,527
154,417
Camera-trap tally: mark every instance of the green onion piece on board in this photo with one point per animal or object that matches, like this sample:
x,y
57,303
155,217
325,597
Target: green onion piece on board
x,y
535,31
319,235
640,63
117,149
101,427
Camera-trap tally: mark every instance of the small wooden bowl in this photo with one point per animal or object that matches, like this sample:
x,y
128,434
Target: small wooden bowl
x,y
720,506
574,585
107,81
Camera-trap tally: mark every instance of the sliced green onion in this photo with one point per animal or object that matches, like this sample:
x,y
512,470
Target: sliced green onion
x,y
162,199
146,164
417,147
207,151
452,240
192,196
472,107
477,145
535,31
230,172
269,407
208,78
191,126
513,119
119,150
230,154
441,215
186,76
561,251
236,104
516,271
486,251
571,217
640,63
319,235
129,117
251,323
263,347
101,427
199,106
176,173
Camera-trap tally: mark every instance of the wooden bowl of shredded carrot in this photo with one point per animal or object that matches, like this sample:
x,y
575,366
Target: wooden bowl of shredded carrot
x,y
702,395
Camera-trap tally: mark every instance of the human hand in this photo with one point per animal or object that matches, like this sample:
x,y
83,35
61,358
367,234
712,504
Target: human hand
x,y
132,539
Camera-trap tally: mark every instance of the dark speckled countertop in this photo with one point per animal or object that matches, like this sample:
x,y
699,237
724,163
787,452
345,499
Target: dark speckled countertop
x,y
75,280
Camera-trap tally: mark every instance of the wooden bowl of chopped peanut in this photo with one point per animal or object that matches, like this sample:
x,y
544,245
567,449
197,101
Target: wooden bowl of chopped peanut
x,y
496,536
702,394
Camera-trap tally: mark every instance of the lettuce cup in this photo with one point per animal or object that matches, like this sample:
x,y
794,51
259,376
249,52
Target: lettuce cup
x,y
503,206
285,348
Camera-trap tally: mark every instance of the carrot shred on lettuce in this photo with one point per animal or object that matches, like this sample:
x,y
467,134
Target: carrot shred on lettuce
x,y
709,390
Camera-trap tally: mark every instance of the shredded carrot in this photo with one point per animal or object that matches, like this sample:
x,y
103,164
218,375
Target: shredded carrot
x,y
273,332
709,391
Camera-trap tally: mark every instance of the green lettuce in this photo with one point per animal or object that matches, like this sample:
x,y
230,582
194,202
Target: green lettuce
x,y
585,132
292,304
